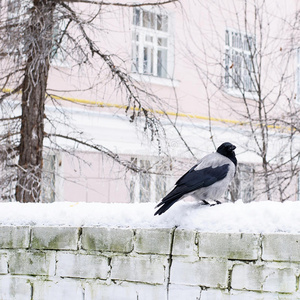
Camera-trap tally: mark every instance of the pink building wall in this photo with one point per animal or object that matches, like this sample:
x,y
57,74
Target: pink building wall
x,y
198,36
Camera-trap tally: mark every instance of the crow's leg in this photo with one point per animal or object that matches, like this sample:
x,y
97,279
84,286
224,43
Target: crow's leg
x,y
205,202
215,202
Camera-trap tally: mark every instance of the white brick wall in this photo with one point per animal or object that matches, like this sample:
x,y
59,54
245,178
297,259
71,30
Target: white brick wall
x,y
93,263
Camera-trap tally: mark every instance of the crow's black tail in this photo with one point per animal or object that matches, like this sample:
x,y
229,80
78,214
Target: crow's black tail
x,y
169,200
165,207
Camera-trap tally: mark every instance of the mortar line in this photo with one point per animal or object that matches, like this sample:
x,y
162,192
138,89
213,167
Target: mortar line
x,y
30,237
170,259
79,236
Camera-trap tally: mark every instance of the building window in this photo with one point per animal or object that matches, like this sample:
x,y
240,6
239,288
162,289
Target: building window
x,y
151,43
18,13
242,186
239,62
59,42
17,16
49,178
149,186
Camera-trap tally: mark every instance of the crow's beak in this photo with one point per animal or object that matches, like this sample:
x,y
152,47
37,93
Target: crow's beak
x,y
232,147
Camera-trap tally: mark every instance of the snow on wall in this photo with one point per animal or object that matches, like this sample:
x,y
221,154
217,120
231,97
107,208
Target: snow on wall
x,y
94,251
254,217
89,262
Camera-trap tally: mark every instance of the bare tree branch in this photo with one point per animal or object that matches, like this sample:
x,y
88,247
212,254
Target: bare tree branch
x,y
128,4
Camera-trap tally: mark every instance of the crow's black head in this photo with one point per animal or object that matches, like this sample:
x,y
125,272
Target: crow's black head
x,y
227,149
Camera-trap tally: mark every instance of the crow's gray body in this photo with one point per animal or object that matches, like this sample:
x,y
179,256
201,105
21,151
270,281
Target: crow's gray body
x,y
218,188
206,181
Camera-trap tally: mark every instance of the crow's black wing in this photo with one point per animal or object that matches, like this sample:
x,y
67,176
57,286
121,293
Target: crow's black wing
x,y
192,181
197,179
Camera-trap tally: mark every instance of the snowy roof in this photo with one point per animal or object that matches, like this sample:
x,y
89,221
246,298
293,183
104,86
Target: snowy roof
x,y
257,217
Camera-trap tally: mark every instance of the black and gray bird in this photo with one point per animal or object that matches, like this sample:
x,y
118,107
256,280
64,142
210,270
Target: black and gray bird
x,y
206,181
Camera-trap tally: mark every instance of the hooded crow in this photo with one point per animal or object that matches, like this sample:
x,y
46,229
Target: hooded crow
x,y
207,180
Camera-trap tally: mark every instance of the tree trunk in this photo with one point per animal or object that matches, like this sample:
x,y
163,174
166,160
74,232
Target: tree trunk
x,y
37,45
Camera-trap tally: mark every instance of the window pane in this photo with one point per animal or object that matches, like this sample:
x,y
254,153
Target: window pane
x,y
132,182
135,37
239,67
136,16
135,58
246,43
162,23
48,178
233,40
227,76
249,64
226,38
298,84
149,38
162,63
227,57
240,44
160,186
152,21
59,43
298,75
162,42
135,51
250,42
151,63
145,181
148,60
148,19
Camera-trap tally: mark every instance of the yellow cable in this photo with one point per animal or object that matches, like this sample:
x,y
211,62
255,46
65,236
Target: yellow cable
x,y
169,113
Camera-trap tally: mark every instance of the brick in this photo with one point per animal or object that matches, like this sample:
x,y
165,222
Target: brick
x,y
209,273
32,263
107,239
184,243
14,237
238,295
3,263
153,241
212,294
281,247
61,289
241,246
183,292
148,269
262,278
56,238
81,265
14,288
124,291
216,294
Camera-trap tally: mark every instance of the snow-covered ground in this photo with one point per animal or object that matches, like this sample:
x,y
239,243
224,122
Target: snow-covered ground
x,y
258,217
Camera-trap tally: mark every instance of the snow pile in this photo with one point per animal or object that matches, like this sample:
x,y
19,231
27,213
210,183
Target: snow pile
x,y
256,217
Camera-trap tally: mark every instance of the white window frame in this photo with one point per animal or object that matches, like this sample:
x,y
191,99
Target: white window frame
x,y
238,63
153,41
